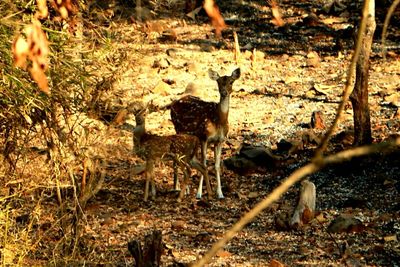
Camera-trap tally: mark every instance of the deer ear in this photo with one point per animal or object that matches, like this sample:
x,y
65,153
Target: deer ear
x,y
213,74
142,112
236,74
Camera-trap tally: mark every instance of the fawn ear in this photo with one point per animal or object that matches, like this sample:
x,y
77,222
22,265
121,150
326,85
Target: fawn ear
x,y
145,109
213,74
236,74
141,112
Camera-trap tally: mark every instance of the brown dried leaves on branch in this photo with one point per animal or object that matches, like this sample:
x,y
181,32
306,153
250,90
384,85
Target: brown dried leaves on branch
x,y
215,15
65,7
34,48
277,20
43,11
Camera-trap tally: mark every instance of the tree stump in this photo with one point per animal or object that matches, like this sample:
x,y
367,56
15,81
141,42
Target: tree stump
x,y
150,254
305,209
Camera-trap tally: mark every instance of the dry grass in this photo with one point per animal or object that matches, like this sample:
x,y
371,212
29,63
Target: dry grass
x,y
49,143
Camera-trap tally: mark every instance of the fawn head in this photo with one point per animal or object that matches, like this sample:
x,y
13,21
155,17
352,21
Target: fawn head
x,y
224,82
141,112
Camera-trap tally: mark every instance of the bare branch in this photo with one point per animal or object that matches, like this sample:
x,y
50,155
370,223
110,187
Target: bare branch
x,y
386,24
286,184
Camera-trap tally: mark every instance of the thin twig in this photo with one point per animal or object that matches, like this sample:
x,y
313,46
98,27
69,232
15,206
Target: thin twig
x,y
386,24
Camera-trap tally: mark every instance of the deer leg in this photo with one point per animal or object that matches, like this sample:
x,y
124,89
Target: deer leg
x,y
203,170
204,158
217,155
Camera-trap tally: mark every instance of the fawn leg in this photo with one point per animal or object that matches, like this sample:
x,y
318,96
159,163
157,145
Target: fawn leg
x,y
204,158
217,155
149,179
177,186
186,175
153,185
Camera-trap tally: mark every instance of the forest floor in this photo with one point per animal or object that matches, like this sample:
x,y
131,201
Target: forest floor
x,y
299,68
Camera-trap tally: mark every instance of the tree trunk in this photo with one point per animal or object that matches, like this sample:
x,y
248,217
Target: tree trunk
x,y
305,209
359,96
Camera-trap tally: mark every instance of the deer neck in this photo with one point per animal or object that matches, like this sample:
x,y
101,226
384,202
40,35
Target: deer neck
x,y
223,109
138,132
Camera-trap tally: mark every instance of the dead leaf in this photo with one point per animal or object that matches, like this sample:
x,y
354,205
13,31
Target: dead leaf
x,y
292,79
307,215
194,13
20,50
64,7
333,20
393,99
224,254
390,238
162,89
120,117
43,11
333,7
277,20
346,223
321,218
319,90
35,48
317,120
253,195
282,221
276,263
313,62
178,225
312,54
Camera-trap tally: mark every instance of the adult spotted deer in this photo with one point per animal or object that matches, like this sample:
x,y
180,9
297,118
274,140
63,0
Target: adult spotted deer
x,y
180,148
206,120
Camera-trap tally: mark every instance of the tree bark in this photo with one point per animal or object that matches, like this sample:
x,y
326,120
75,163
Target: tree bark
x,y
359,96
150,254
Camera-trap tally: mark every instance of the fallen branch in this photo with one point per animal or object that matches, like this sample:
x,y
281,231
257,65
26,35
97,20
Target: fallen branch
x,y
291,180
